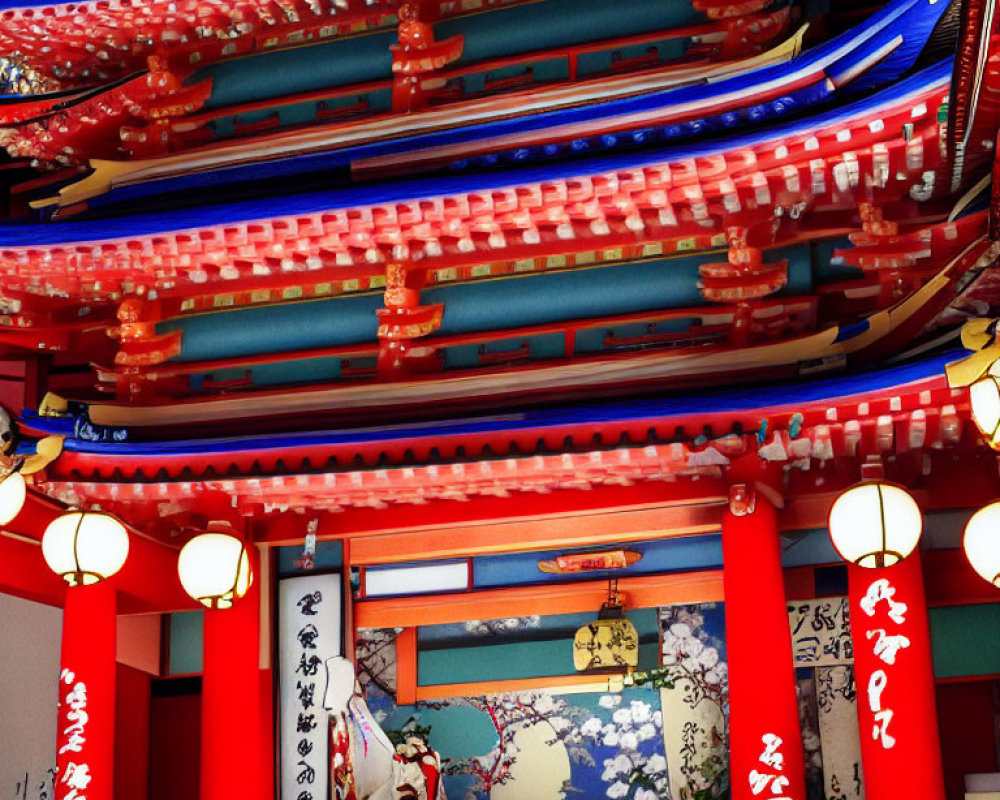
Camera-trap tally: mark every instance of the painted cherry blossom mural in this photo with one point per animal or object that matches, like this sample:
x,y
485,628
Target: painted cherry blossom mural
x,y
694,696
663,737
527,745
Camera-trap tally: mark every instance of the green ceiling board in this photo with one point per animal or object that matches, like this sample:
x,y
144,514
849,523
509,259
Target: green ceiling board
x,y
966,640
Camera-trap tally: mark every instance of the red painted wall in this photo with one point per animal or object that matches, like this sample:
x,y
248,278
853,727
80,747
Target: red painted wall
x,y
132,711
267,738
968,732
175,744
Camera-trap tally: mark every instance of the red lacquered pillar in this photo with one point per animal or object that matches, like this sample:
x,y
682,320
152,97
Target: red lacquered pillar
x,y
766,757
230,702
85,741
900,751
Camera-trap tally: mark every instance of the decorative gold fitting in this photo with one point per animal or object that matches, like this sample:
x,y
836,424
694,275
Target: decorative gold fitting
x,y
742,500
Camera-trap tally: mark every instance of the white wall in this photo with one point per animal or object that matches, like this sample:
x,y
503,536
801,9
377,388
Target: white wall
x,y
29,675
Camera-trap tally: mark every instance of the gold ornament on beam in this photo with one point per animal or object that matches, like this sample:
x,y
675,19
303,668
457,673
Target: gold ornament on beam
x,y
980,336
981,373
611,642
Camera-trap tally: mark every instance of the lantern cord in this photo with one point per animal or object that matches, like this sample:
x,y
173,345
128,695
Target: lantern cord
x,y
76,539
880,558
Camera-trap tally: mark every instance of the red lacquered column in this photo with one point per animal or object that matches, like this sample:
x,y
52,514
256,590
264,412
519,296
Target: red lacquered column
x,y
900,751
766,757
230,702
85,741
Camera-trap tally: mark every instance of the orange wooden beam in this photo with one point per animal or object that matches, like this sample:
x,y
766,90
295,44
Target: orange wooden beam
x,y
564,683
406,667
564,531
645,591
539,534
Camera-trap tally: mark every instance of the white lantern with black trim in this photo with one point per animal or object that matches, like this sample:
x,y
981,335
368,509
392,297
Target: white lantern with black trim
x,y
85,547
214,569
13,492
982,542
875,524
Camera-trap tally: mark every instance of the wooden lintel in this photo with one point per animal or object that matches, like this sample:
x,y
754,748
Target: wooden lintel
x,y
355,523
406,667
539,534
645,591
560,684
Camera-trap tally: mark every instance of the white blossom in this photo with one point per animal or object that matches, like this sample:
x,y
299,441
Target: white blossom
x,y
613,767
617,789
559,723
544,703
647,732
655,764
641,712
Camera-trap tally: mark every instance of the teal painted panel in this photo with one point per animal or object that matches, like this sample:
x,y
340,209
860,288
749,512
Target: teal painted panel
x,y
329,556
276,328
561,23
966,640
535,299
509,661
185,643
806,548
550,626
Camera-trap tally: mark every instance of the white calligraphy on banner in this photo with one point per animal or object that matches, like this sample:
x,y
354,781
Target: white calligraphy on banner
x,y
76,777
770,782
886,647
309,632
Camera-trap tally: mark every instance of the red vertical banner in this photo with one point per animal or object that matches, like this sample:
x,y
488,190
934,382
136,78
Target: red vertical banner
x,y
85,742
765,741
230,701
900,751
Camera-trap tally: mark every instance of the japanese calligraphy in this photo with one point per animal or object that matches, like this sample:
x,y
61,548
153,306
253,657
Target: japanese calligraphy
x,y
310,634
308,666
770,784
41,790
821,633
307,637
306,693
886,647
882,590
76,776
308,603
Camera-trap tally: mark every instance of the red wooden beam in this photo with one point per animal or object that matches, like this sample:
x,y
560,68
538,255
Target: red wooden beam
x,y
24,573
147,583
486,510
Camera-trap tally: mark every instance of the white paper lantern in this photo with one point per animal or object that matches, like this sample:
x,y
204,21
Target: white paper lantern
x,y
875,524
984,395
85,547
214,569
982,542
13,492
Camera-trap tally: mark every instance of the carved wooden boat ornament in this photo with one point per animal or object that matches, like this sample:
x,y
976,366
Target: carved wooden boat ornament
x,y
588,562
